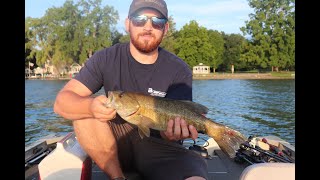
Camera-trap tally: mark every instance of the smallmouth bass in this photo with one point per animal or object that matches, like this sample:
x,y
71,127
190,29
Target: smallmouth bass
x,y
147,112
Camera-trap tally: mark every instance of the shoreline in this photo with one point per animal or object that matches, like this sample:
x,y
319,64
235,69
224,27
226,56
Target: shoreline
x,y
209,76
240,76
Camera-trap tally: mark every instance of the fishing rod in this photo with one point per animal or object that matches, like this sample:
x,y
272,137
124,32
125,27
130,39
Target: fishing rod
x,y
283,153
257,148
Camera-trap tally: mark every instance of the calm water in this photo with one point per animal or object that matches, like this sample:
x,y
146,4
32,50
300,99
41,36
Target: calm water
x,y
253,107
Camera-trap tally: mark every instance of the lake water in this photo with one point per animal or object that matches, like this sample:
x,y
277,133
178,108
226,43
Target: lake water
x,y
253,107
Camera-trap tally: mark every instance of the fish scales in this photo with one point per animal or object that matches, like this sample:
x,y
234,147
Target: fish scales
x,y
161,110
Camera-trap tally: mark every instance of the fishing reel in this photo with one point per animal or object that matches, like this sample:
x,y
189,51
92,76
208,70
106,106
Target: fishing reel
x,y
255,150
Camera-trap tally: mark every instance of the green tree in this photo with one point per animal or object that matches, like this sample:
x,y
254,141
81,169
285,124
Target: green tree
x,y
272,31
232,50
115,36
217,42
169,39
193,45
41,40
30,42
96,24
63,22
125,38
70,33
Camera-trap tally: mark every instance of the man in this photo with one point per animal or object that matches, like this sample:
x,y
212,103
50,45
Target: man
x,y
139,66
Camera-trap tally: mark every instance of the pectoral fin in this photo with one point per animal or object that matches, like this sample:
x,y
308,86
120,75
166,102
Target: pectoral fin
x,y
144,124
144,131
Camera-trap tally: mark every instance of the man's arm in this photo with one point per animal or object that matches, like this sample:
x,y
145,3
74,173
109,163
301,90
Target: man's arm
x,y
74,102
96,138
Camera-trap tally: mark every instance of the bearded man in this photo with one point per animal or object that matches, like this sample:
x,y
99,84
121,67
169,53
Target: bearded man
x,y
138,66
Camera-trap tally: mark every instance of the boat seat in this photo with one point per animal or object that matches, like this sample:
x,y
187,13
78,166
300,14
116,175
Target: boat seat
x,y
269,171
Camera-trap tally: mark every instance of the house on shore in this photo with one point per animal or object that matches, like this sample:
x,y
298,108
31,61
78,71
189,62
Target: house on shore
x,y
74,69
27,72
49,70
201,69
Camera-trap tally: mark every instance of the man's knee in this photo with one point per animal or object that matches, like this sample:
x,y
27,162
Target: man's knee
x,y
195,178
92,133
97,140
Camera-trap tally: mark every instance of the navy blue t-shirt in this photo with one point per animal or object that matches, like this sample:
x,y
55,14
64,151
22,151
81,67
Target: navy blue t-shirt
x,y
114,68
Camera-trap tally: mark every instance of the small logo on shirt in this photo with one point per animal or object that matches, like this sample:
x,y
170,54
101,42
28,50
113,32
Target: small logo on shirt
x,y
156,93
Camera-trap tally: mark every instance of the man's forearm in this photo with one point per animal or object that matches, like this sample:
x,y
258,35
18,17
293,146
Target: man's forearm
x,y
72,106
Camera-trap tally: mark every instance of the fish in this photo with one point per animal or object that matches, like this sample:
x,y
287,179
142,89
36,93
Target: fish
x,y
146,111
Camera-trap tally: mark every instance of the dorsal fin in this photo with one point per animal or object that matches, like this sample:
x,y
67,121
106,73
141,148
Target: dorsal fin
x,y
199,108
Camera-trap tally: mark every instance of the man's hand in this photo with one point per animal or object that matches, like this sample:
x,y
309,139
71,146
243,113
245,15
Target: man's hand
x,y
178,129
100,111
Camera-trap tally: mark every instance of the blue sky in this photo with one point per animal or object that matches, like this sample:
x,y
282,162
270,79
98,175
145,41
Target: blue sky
x,y
221,15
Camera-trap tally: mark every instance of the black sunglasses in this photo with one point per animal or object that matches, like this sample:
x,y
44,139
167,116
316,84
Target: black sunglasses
x,y
141,20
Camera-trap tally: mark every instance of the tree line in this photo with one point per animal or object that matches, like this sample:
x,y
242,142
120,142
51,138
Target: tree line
x,y
73,32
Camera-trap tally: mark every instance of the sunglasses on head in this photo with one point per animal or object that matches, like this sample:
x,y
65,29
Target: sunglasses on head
x,y
141,20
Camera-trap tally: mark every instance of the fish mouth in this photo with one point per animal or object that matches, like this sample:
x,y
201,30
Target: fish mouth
x,y
110,101
132,114
110,94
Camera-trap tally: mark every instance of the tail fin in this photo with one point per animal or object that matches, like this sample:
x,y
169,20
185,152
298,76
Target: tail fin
x,y
229,140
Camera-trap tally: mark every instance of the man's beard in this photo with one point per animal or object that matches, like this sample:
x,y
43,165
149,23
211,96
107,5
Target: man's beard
x,y
145,46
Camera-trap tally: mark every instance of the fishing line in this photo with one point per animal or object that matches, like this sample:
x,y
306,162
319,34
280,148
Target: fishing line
x,y
205,140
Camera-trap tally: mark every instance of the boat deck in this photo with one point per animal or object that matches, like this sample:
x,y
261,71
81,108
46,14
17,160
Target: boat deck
x,y
220,167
